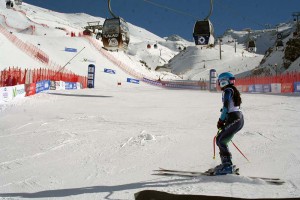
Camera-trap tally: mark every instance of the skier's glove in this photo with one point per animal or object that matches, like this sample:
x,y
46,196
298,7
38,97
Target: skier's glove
x,y
220,124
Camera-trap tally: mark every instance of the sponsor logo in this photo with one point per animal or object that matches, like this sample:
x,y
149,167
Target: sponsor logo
x,y
113,42
70,49
5,93
46,84
17,92
110,71
110,35
90,76
130,80
201,40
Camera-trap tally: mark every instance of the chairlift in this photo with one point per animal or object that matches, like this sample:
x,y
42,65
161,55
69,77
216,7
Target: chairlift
x,y
9,4
203,30
87,32
203,33
279,36
251,46
279,45
115,33
279,42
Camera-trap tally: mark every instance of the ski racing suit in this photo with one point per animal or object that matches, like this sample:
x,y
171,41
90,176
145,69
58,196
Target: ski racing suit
x,y
234,121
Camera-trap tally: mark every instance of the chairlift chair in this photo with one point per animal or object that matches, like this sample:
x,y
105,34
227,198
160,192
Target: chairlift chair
x,y
251,46
115,33
279,45
9,4
87,32
203,33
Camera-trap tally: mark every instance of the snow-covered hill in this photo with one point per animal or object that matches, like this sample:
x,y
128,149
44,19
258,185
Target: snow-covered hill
x,y
51,33
173,57
266,43
194,63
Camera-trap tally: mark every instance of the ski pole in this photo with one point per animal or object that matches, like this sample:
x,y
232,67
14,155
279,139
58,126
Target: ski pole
x,y
240,151
214,157
214,145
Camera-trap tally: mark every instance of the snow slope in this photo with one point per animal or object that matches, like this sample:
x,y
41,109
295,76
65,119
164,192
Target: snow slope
x,y
103,143
194,63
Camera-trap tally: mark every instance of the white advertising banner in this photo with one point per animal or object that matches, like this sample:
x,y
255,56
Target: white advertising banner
x,y
78,86
6,94
60,85
19,91
12,92
276,88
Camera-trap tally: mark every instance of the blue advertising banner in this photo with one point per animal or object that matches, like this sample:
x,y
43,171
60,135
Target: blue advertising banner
x,y
258,88
267,88
251,88
131,80
75,86
109,71
70,86
152,82
297,87
42,85
70,49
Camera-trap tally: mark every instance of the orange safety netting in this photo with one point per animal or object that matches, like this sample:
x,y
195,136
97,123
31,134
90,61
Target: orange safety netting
x,y
289,77
14,76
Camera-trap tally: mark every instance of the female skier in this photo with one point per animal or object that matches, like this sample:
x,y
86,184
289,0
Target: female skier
x,y
230,121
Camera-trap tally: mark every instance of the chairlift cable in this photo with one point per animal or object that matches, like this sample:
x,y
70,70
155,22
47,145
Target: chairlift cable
x,y
194,18
210,11
109,8
171,9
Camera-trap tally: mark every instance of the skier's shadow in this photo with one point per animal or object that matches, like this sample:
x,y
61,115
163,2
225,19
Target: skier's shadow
x,y
97,189
158,183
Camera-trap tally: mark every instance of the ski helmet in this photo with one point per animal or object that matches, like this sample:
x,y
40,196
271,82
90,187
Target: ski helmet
x,y
225,79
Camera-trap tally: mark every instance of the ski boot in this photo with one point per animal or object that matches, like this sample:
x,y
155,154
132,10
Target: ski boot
x,y
225,168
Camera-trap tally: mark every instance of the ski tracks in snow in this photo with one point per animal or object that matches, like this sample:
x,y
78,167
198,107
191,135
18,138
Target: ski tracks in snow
x,y
27,133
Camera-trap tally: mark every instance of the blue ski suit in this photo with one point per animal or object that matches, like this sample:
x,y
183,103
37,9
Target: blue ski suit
x,y
233,118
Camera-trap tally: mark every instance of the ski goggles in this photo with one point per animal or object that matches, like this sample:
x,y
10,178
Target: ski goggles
x,y
224,82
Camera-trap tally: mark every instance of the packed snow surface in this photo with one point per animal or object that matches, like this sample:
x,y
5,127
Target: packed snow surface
x,y
105,144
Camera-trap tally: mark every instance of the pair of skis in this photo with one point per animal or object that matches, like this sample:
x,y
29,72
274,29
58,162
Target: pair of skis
x,y
169,172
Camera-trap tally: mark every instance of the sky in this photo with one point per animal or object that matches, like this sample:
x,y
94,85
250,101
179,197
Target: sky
x,y
167,17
